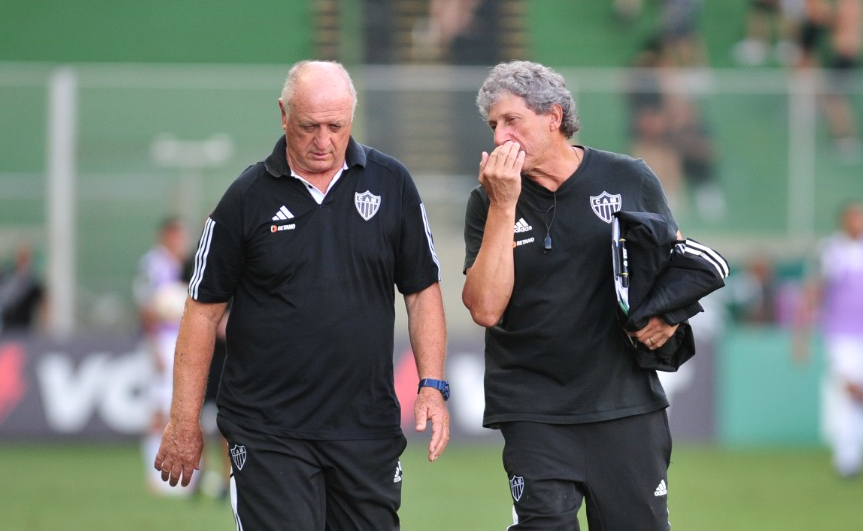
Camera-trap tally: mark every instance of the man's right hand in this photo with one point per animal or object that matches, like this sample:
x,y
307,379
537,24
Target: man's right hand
x,y
180,452
500,174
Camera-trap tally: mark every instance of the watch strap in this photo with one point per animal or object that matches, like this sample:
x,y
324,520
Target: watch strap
x,y
440,385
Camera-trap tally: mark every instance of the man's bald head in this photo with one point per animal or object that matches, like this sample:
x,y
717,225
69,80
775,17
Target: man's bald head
x,y
310,77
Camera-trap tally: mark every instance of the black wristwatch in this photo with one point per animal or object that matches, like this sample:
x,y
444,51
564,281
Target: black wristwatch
x,y
440,385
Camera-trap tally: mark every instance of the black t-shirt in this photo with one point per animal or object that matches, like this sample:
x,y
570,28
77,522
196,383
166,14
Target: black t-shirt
x,y
310,334
559,355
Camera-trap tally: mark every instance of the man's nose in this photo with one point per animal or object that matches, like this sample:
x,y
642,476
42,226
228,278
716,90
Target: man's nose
x,y
321,137
501,135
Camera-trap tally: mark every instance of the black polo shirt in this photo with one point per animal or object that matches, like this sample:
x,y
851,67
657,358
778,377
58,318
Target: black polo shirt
x,y
559,355
310,336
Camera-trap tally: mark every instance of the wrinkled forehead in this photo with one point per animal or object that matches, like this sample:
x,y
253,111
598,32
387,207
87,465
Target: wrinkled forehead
x,y
322,108
315,92
508,103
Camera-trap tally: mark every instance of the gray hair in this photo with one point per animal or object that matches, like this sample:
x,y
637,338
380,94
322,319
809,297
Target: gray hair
x,y
539,86
294,75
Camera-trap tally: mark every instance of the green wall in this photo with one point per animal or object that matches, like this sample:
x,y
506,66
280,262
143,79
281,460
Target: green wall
x,y
764,396
561,32
186,31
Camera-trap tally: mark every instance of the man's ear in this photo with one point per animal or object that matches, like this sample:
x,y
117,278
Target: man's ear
x,y
556,114
284,115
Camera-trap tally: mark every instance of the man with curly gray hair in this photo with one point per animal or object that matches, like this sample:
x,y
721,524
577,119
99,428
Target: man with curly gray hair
x,y
582,422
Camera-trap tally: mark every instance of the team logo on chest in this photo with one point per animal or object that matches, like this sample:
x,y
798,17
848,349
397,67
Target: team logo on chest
x,y
367,204
605,205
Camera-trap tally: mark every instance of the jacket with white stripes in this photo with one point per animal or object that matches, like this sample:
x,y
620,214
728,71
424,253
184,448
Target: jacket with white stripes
x,y
667,277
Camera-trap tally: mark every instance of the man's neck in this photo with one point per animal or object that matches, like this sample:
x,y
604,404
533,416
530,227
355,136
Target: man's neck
x,y
558,168
320,180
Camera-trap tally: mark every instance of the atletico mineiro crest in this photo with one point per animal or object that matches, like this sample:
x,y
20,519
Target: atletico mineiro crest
x,y
238,456
516,486
367,204
605,205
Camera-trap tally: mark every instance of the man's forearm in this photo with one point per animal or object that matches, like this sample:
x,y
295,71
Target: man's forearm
x,y
489,282
194,352
427,329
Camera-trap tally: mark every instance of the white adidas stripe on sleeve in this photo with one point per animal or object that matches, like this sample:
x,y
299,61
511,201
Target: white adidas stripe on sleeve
x,y
201,258
709,255
429,240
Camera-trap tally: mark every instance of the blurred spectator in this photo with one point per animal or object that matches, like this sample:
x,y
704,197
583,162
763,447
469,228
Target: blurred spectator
x,y
459,32
680,32
627,10
160,293
753,292
651,128
813,27
840,54
677,27
670,133
846,42
450,22
768,22
834,299
21,293
694,140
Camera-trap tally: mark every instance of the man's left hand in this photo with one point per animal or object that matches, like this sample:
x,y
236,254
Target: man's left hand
x,y
430,405
656,333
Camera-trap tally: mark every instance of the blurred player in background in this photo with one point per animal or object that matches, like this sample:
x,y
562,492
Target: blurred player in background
x,y
22,295
308,246
580,420
160,293
834,299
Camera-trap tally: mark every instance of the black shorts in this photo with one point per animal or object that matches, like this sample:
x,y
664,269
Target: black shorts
x,y
279,484
619,468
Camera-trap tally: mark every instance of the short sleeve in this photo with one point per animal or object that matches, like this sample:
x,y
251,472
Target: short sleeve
x,y
417,265
654,197
219,257
474,225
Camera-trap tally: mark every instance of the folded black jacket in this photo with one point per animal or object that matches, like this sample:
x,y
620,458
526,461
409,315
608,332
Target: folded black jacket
x,y
667,277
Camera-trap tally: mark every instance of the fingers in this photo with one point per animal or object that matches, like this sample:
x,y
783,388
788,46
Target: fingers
x,y
507,156
175,473
483,161
440,436
500,173
433,409
655,334
506,160
177,461
188,472
653,339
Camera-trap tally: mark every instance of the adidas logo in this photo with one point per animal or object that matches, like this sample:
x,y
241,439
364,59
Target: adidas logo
x,y
661,490
522,226
398,477
283,214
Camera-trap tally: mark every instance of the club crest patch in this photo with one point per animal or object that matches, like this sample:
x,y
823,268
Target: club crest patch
x,y
398,477
516,486
238,456
367,204
605,205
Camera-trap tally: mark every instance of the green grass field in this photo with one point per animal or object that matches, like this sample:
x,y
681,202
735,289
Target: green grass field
x,y
101,488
